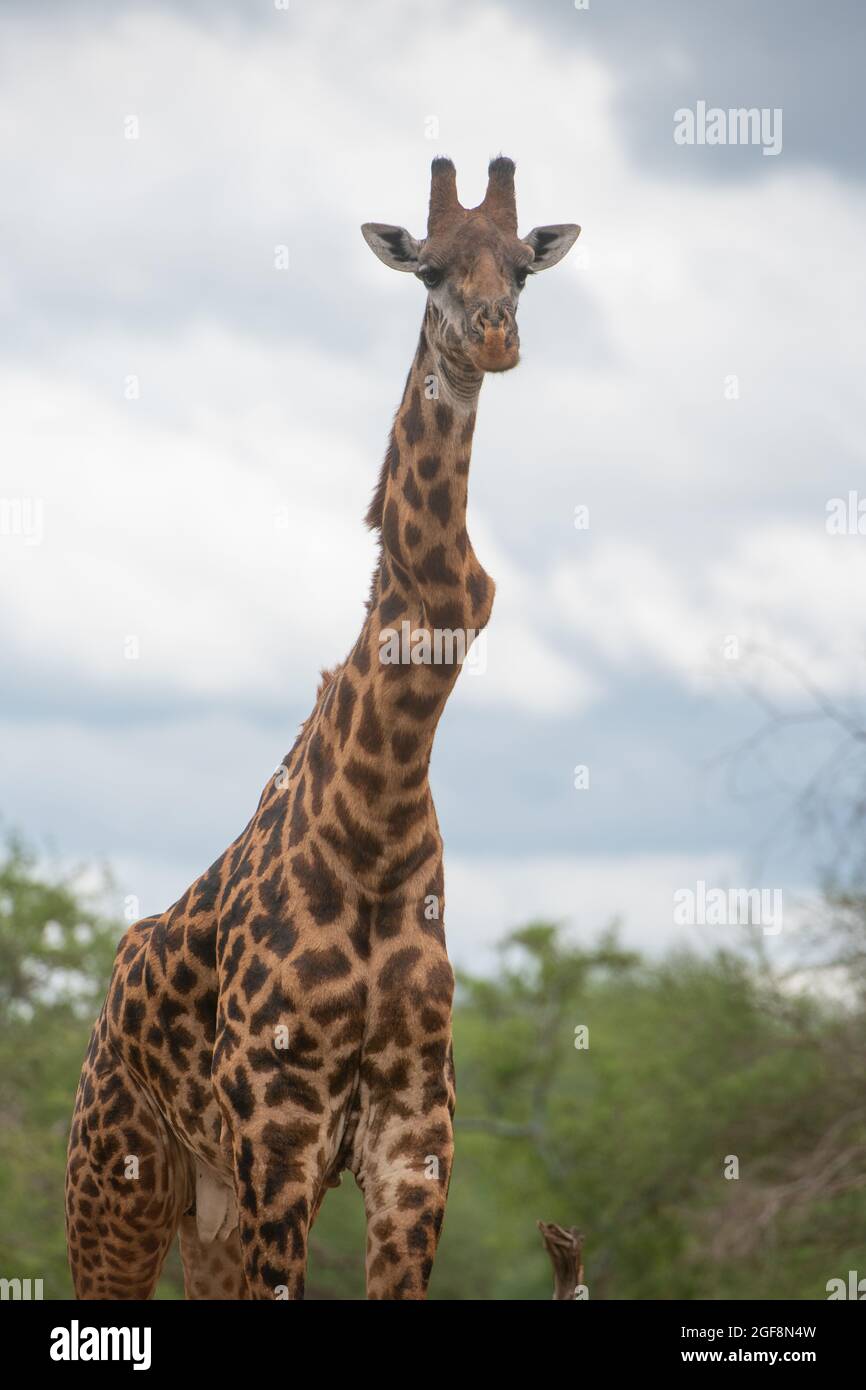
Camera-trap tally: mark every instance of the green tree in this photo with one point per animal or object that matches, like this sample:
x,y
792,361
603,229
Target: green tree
x,y
56,951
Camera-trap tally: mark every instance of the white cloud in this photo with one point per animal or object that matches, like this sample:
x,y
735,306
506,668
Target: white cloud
x,y
234,573
262,393
786,590
230,545
487,896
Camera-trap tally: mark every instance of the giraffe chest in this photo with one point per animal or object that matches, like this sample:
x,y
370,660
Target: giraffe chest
x,y
305,1002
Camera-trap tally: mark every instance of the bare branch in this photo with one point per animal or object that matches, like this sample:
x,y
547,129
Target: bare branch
x,y
565,1248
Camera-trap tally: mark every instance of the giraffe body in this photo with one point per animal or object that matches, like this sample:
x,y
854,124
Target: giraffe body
x,y
289,1018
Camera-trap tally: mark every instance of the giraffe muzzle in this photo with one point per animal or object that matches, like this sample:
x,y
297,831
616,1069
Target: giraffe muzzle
x,y
493,339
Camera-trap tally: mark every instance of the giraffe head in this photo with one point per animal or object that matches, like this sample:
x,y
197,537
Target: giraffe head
x,y
473,265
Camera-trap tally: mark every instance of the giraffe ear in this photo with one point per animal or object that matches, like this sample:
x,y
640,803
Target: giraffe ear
x,y
550,244
393,245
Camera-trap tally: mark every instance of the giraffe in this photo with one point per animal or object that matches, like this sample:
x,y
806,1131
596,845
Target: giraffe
x,y
289,1018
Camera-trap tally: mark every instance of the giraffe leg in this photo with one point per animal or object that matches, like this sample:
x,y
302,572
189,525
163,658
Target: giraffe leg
x,y
211,1269
127,1181
405,1179
280,1155
277,1202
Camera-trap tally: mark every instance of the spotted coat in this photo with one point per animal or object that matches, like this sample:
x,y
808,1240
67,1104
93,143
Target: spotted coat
x,y
289,1017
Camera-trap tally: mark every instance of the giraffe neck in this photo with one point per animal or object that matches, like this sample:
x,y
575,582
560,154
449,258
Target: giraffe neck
x,y
430,596
427,562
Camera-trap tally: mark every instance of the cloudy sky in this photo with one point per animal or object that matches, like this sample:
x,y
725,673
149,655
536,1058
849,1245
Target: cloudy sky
x,y
189,434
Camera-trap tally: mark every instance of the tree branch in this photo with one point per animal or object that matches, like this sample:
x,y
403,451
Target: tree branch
x,y
565,1248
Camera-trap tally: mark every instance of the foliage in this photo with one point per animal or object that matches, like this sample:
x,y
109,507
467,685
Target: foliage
x,y
55,961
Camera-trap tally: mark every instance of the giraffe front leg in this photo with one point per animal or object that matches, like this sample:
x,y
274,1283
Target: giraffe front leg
x,y
404,1173
275,1135
405,1190
278,1180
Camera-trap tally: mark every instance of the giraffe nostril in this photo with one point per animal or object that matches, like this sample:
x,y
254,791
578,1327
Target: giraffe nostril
x,y
477,323
487,316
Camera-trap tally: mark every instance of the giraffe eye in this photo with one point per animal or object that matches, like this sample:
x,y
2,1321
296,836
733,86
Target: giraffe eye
x,y
520,275
430,276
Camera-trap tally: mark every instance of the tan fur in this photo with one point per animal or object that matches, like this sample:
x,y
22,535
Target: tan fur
x,y
289,1018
